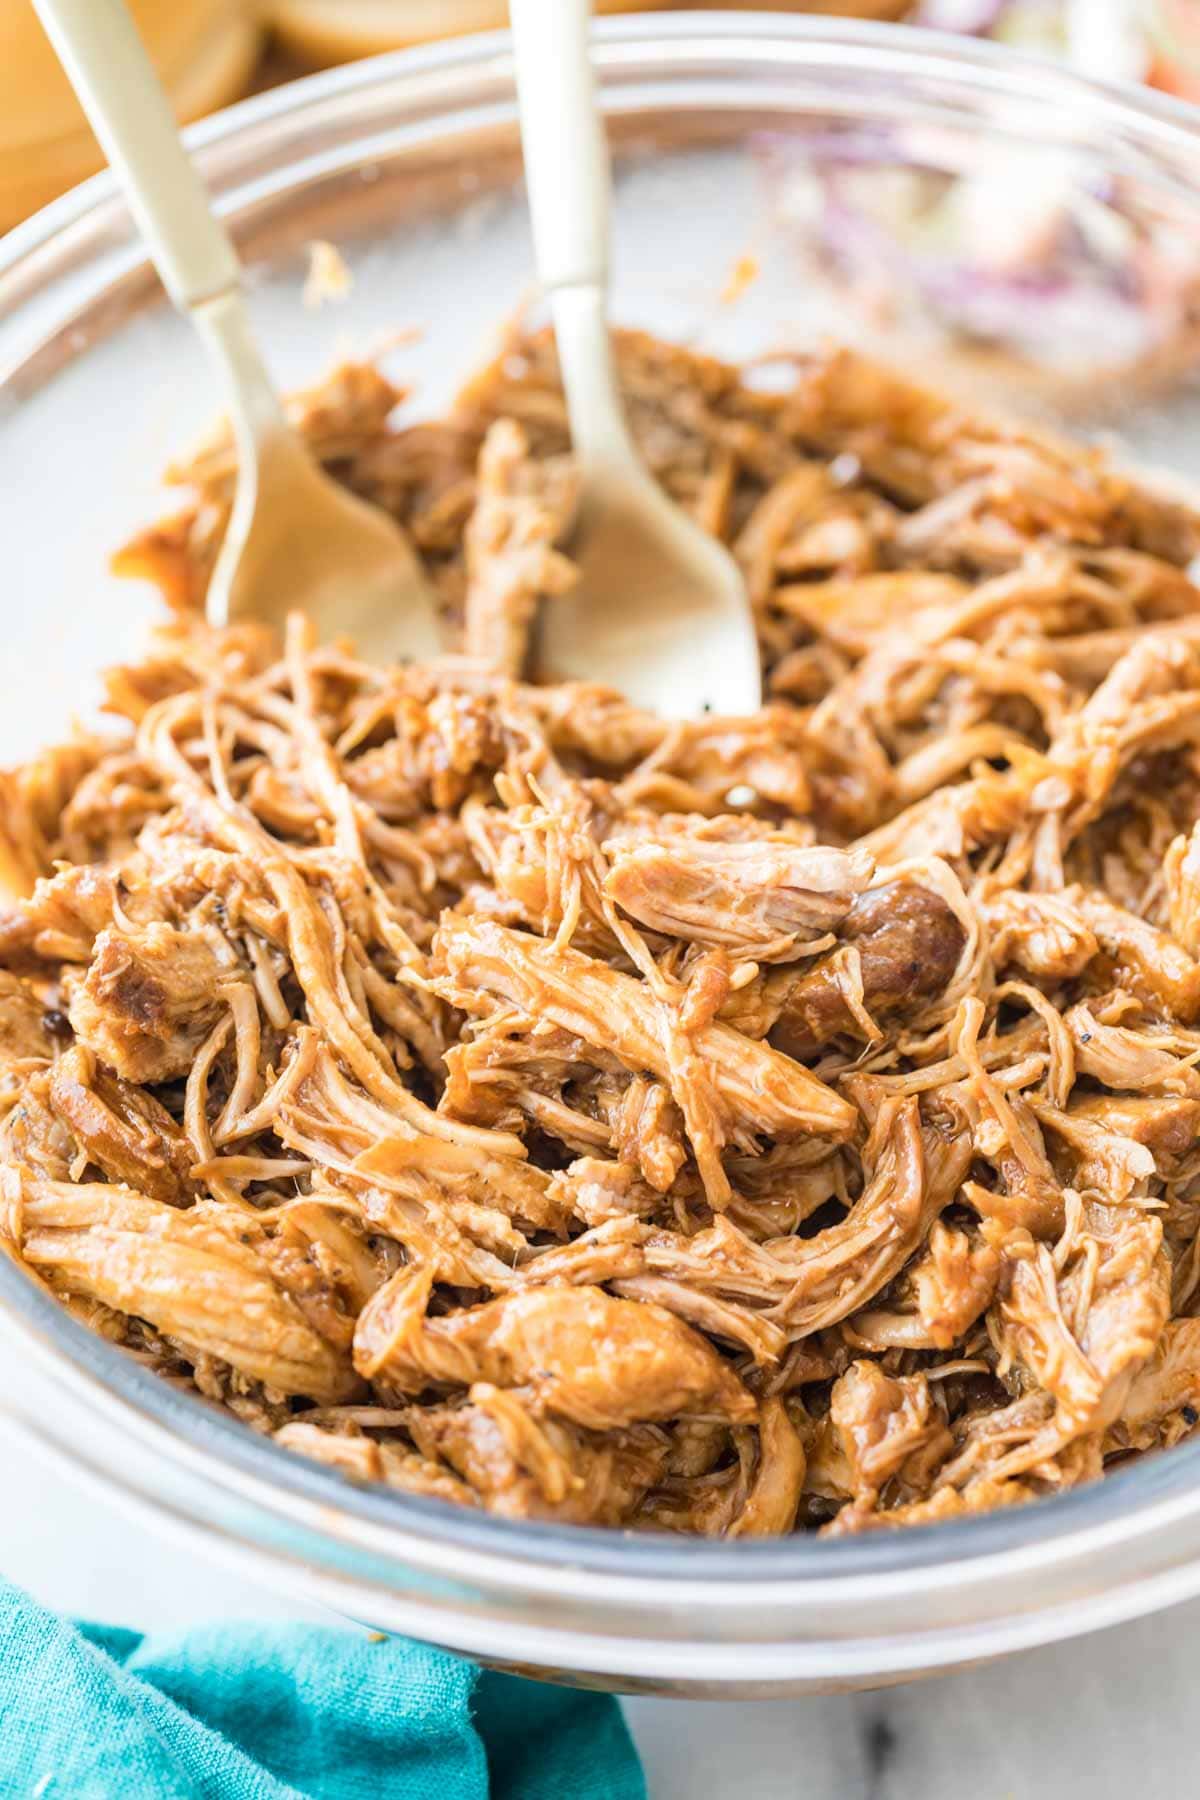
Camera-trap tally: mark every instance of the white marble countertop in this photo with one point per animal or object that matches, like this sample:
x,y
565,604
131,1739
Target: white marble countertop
x,y
1107,1718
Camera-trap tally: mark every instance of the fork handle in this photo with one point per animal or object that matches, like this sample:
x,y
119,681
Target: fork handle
x,y
97,43
562,136
567,178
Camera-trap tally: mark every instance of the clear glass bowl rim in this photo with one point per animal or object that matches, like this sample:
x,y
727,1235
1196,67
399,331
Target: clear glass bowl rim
x,y
67,238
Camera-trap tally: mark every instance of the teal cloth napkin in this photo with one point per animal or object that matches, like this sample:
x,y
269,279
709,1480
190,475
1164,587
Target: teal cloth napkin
x,y
278,1712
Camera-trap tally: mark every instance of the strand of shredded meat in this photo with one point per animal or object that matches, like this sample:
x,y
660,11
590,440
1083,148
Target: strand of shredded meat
x,y
733,1128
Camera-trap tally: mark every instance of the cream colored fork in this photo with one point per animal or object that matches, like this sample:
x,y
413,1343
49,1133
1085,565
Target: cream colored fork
x,y
295,538
661,610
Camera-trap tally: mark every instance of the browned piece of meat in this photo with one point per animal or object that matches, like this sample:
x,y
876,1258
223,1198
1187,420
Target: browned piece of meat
x,y
148,1001
121,1128
34,801
1167,1127
755,899
771,1506
1142,957
889,1429
1088,1369
811,1283
914,1174
852,614
422,1155
953,1284
509,548
940,1295
649,1132
1163,1402
198,1276
68,910
349,1449
24,1032
528,1465
728,1321
763,1090
599,1362
907,943
1181,870
1041,933
32,1136
1124,1057
944,1503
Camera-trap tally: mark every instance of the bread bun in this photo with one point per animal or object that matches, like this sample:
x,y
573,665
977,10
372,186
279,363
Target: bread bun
x,y
205,51
318,32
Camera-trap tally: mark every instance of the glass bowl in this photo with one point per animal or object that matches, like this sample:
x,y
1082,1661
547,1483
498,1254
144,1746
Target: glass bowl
x,y
1066,289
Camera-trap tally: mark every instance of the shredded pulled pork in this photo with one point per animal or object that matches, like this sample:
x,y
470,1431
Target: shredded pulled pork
x,y
764,1124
